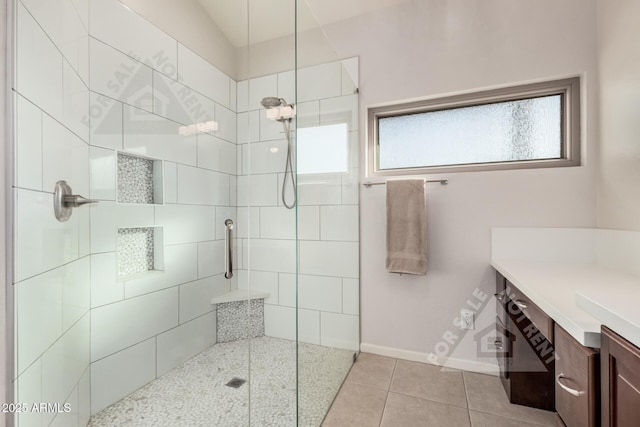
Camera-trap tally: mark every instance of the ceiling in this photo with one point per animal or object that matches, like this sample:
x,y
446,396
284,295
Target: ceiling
x,y
272,19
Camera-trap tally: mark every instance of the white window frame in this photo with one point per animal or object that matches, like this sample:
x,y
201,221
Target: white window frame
x,y
570,123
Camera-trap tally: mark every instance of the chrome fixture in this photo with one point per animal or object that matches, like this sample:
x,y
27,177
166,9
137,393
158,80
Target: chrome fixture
x,y
272,102
228,253
64,201
427,181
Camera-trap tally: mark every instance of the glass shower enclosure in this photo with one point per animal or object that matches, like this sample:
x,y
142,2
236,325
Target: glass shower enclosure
x,y
185,213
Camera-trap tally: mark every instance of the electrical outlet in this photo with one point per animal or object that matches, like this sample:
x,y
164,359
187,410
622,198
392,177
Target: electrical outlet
x,y
466,318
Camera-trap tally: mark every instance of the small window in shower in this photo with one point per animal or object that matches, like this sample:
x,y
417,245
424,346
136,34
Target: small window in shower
x,y
323,149
529,126
139,179
139,251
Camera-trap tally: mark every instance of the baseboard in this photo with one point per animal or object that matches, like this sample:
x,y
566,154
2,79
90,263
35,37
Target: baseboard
x,y
414,356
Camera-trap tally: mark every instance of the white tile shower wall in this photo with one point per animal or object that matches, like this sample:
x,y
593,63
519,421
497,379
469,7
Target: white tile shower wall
x,y
326,217
52,266
145,89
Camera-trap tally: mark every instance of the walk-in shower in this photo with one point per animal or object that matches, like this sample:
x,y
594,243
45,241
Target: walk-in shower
x,y
196,268
283,112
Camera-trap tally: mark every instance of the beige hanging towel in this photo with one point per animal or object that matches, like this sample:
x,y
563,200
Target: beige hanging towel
x,y
406,227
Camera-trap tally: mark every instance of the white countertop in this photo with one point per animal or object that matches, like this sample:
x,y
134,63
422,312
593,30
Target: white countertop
x,y
580,297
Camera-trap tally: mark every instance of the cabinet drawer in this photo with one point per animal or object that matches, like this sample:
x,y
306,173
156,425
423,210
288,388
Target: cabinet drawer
x,y
577,381
538,317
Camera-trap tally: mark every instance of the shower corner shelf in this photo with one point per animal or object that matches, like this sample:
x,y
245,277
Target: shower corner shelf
x,y
240,295
139,252
139,179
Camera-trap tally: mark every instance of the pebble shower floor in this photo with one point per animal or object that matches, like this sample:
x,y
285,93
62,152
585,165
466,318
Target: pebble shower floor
x,y
195,394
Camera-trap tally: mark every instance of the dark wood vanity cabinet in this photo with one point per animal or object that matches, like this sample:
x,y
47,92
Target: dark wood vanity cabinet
x,y
620,376
524,350
577,381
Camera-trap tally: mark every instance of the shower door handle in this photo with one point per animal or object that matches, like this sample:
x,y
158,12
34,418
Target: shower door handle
x,y
228,249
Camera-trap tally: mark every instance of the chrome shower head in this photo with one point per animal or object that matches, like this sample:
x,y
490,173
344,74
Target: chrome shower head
x,y
272,102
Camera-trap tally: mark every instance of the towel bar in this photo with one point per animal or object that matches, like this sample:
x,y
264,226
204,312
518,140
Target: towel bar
x,y
441,181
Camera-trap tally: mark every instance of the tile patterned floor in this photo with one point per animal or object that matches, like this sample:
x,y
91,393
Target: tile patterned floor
x,y
386,392
194,393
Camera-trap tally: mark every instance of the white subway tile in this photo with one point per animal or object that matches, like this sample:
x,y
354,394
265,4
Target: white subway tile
x,y
120,77
118,375
233,191
170,182
338,259
216,154
260,88
39,65
180,266
179,103
309,326
102,173
350,77
75,103
287,86
227,126
342,109
242,98
200,75
233,95
107,217
62,22
316,189
42,242
277,223
28,145
64,364
29,391
248,127
258,190
320,293
122,324
280,322
105,287
222,214
105,117
248,223
320,81
264,157
287,284
270,129
202,187
120,27
210,258
340,331
308,222
195,297
84,231
76,291
150,135
339,223
71,418
65,157
271,255
185,341
38,315
260,281
351,296
308,114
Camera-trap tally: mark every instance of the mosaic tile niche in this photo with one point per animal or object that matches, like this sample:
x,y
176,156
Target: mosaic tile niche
x,y
137,250
139,180
232,318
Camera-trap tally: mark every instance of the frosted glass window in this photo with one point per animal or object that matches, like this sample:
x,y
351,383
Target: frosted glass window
x,y
535,125
528,129
322,149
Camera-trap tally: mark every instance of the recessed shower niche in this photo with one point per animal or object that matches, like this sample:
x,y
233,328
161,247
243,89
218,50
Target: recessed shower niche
x,y
139,180
139,251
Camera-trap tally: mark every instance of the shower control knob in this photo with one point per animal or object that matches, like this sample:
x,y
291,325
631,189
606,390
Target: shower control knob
x,y
64,201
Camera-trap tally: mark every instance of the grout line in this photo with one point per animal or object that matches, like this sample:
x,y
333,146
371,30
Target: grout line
x,y
466,396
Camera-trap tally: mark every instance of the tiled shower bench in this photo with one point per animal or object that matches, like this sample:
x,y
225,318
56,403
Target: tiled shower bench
x,y
233,319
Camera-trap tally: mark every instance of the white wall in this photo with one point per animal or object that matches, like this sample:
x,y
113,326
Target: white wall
x,y
425,48
618,192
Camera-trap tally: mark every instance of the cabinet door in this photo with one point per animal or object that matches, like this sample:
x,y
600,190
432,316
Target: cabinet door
x,y
577,381
620,375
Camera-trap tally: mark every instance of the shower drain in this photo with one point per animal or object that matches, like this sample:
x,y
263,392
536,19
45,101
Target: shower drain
x,y
236,382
